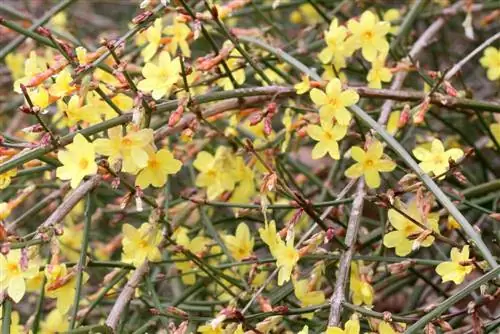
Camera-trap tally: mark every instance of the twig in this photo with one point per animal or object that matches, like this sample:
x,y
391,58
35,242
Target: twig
x,y
44,19
338,296
442,307
65,207
125,296
471,55
419,45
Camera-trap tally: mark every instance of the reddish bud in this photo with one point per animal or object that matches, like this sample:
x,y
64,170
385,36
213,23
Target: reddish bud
x,y
256,118
44,32
282,309
404,117
268,128
141,17
176,115
450,90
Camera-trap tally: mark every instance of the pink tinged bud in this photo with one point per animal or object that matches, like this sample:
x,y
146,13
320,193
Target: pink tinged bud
x,y
267,126
450,90
256,118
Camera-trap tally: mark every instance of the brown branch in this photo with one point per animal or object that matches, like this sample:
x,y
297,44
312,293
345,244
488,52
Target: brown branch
x,y
338,296
62,210
419,45
125,296
212,111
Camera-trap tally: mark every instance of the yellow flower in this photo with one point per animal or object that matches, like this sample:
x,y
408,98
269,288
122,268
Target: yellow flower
x,y
391,15
491,61
393,122
34,284
62,85
362,291
153,36
31,68
56,322
160,77
269,235
216,172
385,328
378,73
452,224
304,86
369,34
456,269
39,97
15,327
369,163
333,101
245,188
436,160
13,273
406,230
350,327
307,296
209,329
336,47
327,136
272,75
196,246
179,33
6,178
130,149
75,112
78,161
59,20
5,210
233,63
306,13
241,244
141,244
61,285
159,165
495,130
70,242
15,64
286,259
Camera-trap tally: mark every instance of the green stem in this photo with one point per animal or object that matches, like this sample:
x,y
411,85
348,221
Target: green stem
x,y
83,257
39,304
6,315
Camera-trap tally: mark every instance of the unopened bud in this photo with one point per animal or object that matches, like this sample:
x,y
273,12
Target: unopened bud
x,y
282,309
450,90
141,17
268,129
44,32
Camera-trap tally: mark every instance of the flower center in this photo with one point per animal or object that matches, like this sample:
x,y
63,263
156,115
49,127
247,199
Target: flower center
x,y
153,163
368,35
369,163
83,164
126,142
328,135
438,160
13,268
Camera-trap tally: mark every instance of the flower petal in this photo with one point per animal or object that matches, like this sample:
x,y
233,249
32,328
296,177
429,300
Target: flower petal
x,y
318,97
